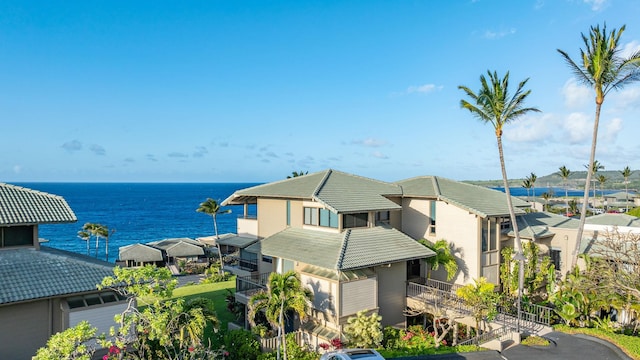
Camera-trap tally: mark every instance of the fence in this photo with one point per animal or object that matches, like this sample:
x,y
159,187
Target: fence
x,y
271,344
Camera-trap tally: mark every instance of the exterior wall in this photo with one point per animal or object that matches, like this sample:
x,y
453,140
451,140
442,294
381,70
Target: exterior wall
x,y
325,293
272,216
100,317
247,227
296,214
459,227
24,328
564,240
392,293
357,295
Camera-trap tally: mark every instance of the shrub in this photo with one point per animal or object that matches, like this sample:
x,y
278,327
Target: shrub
x,y
535,341
241,345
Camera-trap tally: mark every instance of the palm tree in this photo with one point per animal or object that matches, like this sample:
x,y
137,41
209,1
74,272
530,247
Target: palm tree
x,y
602,179
526,183
564,174
296,174
285,293
594,170
602,68
443,257
493,104
91,229
546,196
626,174
533,179
212,208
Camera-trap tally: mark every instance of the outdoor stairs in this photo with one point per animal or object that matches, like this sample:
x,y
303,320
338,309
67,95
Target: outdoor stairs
x,y
174,269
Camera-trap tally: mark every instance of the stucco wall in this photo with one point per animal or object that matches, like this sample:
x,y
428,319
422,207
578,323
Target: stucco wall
x,y
392,293
272,216
24,328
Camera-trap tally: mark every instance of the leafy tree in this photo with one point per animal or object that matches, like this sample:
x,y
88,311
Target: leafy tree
x,y
213,209
443,257
481,298
285,293
296,174
526,183
564,174
601,67
69,344
573,206
244,344
163,329
493,104
364,331
626,174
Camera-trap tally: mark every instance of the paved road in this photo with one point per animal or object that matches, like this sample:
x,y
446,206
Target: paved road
x,y
563,347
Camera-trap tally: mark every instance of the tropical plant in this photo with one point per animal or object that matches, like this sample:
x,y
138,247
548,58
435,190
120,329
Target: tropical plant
x,y
443,257
526,183
244,344
96,230
493,104
564,174
297,174
546,196
626,174
602,179
285,293
481,298
602,68
72,343
213,209
532,178
364,331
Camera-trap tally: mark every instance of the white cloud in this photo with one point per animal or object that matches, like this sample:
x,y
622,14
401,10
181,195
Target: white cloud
x,y
369,142
612,129
576,95
530,129
379,155
597,5
490,34
578,127
627,98
426,88
200,152
73,145
630,48
97,149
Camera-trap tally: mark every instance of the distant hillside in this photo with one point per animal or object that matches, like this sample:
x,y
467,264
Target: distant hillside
x,y
575,181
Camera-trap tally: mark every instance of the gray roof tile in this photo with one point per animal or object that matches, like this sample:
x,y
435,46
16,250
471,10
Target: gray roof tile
x,y
351,249
22,206
29,274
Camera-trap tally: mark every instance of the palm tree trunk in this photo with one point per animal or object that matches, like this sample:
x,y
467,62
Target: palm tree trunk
x,y
566,196
215,229
282,332
512,215
585,199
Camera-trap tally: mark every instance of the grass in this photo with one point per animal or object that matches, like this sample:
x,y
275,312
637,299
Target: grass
x,y
535,341
627,343
216,292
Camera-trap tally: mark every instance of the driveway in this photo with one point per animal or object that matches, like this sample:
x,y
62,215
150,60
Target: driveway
x,y
563,347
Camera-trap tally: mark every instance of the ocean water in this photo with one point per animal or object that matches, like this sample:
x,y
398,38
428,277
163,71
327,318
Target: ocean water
x,y
138,212
557,191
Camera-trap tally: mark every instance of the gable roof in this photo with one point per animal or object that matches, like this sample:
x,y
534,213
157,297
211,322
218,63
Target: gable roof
x,y
478,200
139,252
536,225
29,274
338,191
348,250
614,220
22,206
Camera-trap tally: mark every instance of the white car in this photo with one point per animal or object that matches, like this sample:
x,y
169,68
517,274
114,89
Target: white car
x,y
352,354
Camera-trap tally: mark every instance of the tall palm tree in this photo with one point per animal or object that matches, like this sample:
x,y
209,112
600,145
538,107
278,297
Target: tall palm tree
x,y
546,196
602,179
444,257
493,104
595,167
533,179
564,174
626,174
213,209
91,229
526,183
285,293
602,68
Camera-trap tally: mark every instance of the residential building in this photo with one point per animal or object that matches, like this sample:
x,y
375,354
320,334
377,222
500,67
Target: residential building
x,y
43,290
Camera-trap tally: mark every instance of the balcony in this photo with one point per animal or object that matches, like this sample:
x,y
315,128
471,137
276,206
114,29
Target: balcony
x,y
247,286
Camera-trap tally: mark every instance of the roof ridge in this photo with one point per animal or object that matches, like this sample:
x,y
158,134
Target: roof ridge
x,y
343,247
26,189
321,183
436,186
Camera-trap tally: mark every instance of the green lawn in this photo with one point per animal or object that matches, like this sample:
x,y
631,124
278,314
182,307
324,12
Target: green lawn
x,y
216,292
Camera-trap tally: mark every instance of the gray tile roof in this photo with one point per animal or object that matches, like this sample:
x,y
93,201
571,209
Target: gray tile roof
x,y
614,220
29,274
139,252
348,250
536,225
338,191
479,200
22,206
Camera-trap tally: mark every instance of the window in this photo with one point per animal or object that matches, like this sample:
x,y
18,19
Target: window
x,y
382,217
288,212
355,220
554,254
106,297
16,236
489,235
432,216
267,259
321,217
310,216
505,224
328,218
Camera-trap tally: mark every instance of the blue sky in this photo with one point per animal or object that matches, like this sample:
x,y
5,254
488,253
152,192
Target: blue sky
x,y
249,91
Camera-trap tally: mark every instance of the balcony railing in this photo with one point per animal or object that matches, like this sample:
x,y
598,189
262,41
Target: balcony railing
x,y
247,284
